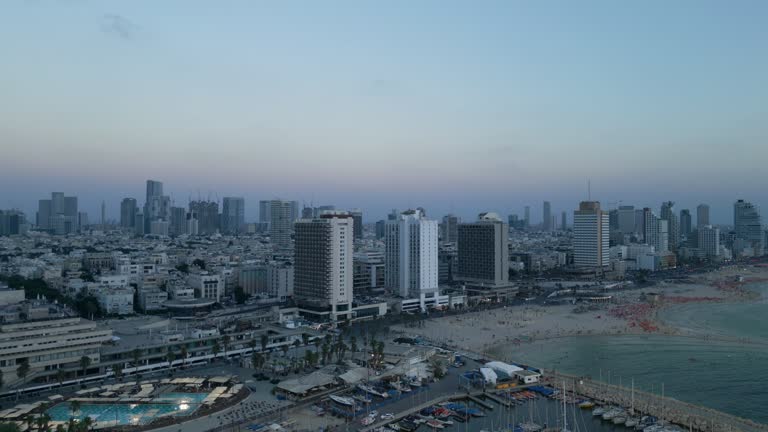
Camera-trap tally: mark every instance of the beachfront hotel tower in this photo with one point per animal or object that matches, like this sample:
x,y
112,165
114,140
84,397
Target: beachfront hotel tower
x,y
591,236
483,251
323,266
411,266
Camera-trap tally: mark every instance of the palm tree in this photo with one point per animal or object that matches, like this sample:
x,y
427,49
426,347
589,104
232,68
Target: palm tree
x,y
264,342
85,362
74,407
60,428
304,339
170,356
136,353
225,341
252,345
258,360
42,422
117,369
284,349
326,351
87,423
60,377
216,348
23,370
184,355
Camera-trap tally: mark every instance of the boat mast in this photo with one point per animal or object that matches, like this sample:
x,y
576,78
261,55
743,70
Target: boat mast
x,y
565,410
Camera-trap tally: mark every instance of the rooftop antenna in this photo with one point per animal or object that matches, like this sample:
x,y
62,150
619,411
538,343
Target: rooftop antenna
x,y
589,190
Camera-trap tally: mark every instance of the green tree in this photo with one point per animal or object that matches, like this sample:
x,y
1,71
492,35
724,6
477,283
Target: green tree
x,y
225,342
74,407
60,376
9,427
216,349
340,351
304,339
22,370
117,369
170,356
85,363
136,354
184,355
87,423
240,295
264,341
438,367
183,267
43,422
199,263
257,360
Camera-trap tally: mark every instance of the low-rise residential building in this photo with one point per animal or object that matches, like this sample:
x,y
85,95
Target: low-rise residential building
x,y
116,301
152,299
208,286
280,281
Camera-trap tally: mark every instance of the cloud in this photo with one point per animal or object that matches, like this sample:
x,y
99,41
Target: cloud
x,y
119,26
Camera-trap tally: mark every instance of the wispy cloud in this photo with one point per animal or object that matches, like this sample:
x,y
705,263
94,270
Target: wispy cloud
x,y
119,26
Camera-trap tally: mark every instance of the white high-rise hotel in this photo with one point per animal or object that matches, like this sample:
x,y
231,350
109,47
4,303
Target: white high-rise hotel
x,y
591,236
323,268
411,266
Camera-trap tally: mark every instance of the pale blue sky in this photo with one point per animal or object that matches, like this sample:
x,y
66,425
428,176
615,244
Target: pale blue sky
x,y
461,106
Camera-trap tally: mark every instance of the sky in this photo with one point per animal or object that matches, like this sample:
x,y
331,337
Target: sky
x,y
454,106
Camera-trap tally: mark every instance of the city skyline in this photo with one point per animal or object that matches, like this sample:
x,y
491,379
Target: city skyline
x,y
719,215
368,108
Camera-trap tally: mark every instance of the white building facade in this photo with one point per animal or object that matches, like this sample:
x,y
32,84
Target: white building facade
x,y
411,264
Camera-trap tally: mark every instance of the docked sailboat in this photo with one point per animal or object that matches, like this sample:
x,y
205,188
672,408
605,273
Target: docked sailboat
x,y
373,391
343,400
530,427
611,413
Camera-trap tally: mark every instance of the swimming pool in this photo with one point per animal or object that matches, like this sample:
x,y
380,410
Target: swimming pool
x,y
169,404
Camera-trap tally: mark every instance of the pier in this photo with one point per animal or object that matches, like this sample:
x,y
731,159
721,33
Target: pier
x,y
502,402
480,402
692,417
454,396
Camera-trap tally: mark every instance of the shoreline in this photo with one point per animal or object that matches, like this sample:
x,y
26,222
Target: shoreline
x,y
632,313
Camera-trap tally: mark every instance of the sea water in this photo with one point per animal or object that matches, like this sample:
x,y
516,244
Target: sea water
x,y
727,375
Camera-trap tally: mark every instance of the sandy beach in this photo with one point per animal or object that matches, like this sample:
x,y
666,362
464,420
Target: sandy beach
x,y
630,312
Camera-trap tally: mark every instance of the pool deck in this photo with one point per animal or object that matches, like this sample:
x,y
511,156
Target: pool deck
x,y
205,423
